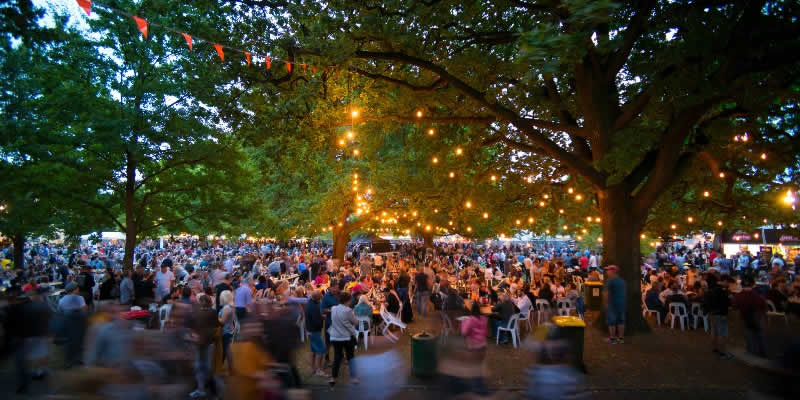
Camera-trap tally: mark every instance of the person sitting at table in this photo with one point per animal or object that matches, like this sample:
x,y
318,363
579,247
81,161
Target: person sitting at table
x,y
322,278
522,300
653,301
502,313
777,294
676,296
363,309
546,292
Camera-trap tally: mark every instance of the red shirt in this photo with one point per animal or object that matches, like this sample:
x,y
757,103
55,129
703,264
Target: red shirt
x,y
712,257
29,287
584,262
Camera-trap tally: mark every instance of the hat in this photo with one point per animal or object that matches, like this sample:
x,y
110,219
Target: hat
x,y
611,268
70,287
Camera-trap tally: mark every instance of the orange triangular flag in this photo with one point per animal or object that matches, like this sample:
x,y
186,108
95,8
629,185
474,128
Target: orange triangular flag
x,y
86,5
288,67
247,57
188,40
313,70
269,63
304,67
142,24
219,52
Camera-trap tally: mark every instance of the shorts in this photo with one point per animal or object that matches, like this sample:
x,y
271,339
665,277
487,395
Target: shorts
x,y
719,325
317,345
615,317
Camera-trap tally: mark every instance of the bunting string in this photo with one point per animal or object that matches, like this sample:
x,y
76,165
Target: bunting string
x,y
143,24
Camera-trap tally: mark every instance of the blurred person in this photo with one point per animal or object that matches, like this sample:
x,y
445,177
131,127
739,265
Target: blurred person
x,y
421,291
501,315
343,332
753,309
127,294
26,327
203,325
614,299
716,303
72,308
330,299
314,323
113,340
242,300
165,281
227,318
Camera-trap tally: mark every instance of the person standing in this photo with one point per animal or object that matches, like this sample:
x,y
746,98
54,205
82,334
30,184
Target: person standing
x,y
330,300
313,313
127,294
421,292
716,303
242,299
203,324
614,298
343,332
164,282
753,309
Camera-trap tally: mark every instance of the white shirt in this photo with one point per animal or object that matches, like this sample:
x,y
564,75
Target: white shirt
x,y
164,280
523,303
593,261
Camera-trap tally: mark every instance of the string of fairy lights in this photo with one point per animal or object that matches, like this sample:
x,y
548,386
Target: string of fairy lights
x,y
361,199
389,222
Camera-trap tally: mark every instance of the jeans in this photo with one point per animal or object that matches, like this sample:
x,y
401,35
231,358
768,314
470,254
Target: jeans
x,y
202,365
403,293
346,348
421,299
754,342
227,338
241,313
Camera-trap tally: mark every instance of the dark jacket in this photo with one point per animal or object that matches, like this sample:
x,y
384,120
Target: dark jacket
x,y
716,301
313,316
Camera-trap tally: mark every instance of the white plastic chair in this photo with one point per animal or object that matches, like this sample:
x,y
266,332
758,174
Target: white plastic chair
x,y
526,317
364,325
564,307
388,321
163,315
678,311
646,311
772,311
512,329
698,315
542,310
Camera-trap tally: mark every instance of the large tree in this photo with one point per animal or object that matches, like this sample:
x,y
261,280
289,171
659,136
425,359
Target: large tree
x,y
625,96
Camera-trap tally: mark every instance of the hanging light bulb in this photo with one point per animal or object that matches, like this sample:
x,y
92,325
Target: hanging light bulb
x,y
452,174
564,227
469,229
588,219
673,226
547,231
600,240
493,178
560,210
419,113
485,215
763,156
354,113
356,152
690,219
722,175
642,236
431,132
355,175
578,197
584,230
349,134
427,227
546,196
706,193
414,213
518,222
541,204
459,151
342,142
435,210
468,204
435,160
530,220
719,223
529,179
450,223
596,219
569,190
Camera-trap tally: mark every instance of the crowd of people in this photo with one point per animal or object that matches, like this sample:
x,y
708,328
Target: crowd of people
x,y
236,309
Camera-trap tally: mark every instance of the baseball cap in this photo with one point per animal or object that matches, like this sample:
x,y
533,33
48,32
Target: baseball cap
x,y
611,268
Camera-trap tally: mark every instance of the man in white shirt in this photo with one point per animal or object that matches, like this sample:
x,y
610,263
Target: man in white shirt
x,y
593,261
164,280
228,265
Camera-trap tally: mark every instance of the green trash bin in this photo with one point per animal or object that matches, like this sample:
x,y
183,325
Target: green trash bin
x,y
593,295
571,329
423,354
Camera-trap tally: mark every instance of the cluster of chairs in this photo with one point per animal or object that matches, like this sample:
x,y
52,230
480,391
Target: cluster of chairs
x,y
543,310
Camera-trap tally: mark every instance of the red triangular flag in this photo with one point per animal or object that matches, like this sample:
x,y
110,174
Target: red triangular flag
x,y
269,62
288,67
313,70
247,56
142,24
188,40
86,5
304,67
219,52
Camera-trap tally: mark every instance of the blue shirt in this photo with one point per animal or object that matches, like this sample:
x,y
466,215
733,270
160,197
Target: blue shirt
x,y
242,297
615,287
328,301
302,267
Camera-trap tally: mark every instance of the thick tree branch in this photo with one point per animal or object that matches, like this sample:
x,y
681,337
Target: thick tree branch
x,y
528,126
417,88
634,31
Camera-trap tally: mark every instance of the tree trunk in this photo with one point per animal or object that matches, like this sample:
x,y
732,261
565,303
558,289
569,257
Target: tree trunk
x,y
340,239
427,238
622,227
131,230
19,250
